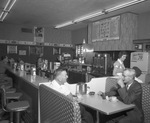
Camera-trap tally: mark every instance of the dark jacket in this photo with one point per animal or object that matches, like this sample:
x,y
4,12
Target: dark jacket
x,y
3,67
131,96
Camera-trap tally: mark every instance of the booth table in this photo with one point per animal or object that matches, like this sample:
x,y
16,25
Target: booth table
x,y
29,86
104,106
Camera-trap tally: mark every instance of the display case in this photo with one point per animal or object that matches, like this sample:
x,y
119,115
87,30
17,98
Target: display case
x,y
79,53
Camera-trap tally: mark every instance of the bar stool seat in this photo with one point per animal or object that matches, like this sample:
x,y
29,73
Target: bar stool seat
x,y
17,106
11,90
13,107
4,121
13,96
6,86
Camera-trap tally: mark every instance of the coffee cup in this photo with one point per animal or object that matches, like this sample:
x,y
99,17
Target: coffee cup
x,y
113,99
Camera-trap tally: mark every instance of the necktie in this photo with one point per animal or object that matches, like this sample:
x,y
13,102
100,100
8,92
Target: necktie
x,y
127,87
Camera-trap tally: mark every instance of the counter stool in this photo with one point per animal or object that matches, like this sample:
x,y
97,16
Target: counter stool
x,y
8,87
9,93
11,90
13,107
4,121
7,81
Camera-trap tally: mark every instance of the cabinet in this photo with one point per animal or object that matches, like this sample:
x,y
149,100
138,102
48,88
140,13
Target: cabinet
x,y
142,45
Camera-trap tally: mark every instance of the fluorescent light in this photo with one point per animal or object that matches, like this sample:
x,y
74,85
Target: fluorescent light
x,y
124,5
64,24
98,13
6,9
9,5
88,16
3,15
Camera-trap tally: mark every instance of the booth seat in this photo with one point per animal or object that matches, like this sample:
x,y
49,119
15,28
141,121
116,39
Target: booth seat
x,y
146,102
103,84
57,108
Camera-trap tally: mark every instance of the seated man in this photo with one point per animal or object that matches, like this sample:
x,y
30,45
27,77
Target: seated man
x,y
130,92
60,77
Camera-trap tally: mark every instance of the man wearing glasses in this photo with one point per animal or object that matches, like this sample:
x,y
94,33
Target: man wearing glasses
x,y
129,91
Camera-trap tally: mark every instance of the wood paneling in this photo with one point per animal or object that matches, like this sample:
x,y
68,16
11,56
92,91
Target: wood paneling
x,y
128,32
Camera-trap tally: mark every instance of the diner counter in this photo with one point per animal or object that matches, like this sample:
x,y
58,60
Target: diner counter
x,y
29,86
33,80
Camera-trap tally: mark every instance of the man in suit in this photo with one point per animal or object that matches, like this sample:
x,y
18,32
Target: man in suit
x,y
130,92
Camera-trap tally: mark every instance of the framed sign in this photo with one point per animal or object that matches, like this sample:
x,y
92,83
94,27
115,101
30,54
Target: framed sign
x,y
56,51
35,50
39,34
11,49
106,29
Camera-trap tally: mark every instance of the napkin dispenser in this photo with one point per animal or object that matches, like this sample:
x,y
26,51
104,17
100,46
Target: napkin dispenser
x,y
81,88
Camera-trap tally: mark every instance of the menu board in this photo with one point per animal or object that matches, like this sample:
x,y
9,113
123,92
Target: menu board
x,y
106,29
95,31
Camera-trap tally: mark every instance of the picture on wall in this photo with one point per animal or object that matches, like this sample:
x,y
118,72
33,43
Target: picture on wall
x,y
39,34
22,52
11,49
35,50
56,51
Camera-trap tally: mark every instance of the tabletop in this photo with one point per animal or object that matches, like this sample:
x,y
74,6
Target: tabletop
x,y
102,105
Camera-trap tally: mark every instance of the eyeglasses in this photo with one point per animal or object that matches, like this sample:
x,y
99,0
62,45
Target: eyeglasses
x,y
124,75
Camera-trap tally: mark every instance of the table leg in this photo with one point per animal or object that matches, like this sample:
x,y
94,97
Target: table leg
x,y
97,116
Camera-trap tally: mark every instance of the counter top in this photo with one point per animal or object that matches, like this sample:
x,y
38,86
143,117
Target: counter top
x,y
33,80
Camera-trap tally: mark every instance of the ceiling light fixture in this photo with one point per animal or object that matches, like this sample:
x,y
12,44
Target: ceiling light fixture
x,y
64,24
86,17
101,12
3,15
7,9
124,5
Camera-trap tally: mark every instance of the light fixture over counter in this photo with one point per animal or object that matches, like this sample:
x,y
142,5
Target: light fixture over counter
x,y
98,13
7,9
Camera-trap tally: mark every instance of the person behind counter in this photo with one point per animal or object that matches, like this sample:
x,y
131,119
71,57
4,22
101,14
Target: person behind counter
x,y
4,79
129,91
39,65
119,65
60,77
4,65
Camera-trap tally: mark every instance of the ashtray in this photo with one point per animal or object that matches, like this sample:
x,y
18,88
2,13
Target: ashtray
x,y
91,93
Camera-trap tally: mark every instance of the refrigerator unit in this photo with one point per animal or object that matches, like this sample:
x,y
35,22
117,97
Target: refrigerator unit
x,y
142,61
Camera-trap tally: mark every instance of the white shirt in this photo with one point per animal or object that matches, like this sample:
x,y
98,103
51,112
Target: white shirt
x,y
60,88
138,80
